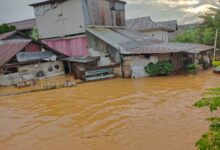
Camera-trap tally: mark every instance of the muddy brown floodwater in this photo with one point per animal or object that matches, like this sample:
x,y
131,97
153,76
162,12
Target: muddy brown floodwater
x,y
138,114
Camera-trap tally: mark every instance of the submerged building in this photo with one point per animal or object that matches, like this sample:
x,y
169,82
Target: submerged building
x,y
22,61
97,28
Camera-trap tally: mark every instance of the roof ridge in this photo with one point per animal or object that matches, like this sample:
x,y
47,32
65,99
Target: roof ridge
x,y
21,21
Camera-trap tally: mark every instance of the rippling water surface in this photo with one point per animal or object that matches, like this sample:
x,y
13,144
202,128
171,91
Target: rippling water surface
x,y
139,114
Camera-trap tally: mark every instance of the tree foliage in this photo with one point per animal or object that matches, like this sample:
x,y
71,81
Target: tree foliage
x,y
203,33
4,28
161,68
34,33
210,140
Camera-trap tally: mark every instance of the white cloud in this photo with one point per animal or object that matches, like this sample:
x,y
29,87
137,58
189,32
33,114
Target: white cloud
x,y
201,9
132,2
177,3
170,3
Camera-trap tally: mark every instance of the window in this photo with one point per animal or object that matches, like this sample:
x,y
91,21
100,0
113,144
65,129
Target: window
x,y
147,56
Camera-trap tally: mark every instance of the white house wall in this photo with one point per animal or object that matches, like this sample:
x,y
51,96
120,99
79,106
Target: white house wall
x,y
58,20
161,35
139,63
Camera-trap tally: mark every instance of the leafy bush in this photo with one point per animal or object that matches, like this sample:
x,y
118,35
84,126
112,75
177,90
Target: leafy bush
x,y
187,36
4,28
216,63
210,140
34,33
161,68
192,68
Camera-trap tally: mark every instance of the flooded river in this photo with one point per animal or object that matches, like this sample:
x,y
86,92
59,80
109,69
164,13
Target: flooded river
x,y
119,114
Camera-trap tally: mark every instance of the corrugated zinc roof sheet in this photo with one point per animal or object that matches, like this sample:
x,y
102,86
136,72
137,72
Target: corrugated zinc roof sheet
x,y
70,47
8,49
171,24
129,42
170,48
121,38
24,24
145,23
7,35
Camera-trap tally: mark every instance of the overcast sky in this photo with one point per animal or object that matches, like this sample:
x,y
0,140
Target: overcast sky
x,y
185,11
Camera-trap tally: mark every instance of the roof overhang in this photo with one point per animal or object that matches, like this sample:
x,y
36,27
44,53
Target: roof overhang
x,y
131,43
47,2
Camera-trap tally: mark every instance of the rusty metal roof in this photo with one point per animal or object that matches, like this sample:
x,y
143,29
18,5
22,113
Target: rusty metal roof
x,y
8,49
146,24
24,24
130,42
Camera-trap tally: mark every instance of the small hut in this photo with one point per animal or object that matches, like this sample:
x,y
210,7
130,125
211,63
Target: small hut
x,y
28,60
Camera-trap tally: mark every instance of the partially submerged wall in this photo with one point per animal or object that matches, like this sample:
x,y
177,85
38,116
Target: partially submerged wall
x,y
32,72
133,66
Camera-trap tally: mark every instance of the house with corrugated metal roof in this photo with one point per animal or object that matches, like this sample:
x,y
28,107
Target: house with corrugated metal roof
x,y
103,23
61,23
159,30
134,50
22,61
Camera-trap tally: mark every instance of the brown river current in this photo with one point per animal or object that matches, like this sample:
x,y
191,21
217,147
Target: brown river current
x,y
119,114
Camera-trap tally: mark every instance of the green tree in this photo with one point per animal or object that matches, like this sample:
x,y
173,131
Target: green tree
x,y
203,33
208,36
34,33
4,28
210,140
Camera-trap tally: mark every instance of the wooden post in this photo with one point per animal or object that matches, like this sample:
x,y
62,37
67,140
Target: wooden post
x,y
194,59
215,46
69,66
122,69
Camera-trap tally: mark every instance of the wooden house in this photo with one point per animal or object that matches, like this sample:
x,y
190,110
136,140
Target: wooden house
x,y
61,23
102,23
22,61
133,50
